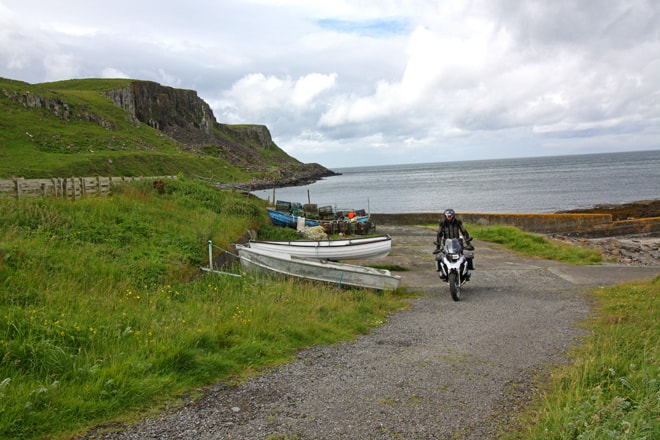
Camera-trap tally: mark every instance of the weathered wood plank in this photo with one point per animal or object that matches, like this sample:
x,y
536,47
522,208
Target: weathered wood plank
x,y
68,187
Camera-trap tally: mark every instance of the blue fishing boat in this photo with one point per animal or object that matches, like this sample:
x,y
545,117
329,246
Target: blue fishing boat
x,y
279,218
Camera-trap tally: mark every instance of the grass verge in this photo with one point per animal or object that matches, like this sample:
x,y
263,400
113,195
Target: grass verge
x,y
535,245
612,390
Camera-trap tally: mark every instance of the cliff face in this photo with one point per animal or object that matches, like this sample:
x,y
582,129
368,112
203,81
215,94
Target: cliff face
x,y
180,115
188,119
165,108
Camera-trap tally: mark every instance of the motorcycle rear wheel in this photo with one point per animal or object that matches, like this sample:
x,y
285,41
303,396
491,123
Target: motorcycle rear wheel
x,y
454,286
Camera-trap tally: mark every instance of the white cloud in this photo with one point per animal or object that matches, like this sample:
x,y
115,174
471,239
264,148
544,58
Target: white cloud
x,y
257,93
310,86
111,72
379,81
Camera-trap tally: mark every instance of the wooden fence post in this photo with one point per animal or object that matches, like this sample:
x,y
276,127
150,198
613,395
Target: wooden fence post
x,y
17,185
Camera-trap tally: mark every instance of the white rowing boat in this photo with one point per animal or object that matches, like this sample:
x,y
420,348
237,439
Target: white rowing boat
x,y
257,260
341,249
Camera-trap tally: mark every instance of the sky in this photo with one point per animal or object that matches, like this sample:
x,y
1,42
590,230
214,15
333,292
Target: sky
x,y
372,82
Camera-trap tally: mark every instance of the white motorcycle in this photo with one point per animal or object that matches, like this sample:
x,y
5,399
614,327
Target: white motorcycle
x,y
453,265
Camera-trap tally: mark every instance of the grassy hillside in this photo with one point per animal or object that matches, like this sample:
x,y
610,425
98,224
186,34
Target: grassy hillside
x,y
71,128
104,311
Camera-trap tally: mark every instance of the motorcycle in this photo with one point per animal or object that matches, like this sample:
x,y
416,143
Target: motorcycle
x,y
453,265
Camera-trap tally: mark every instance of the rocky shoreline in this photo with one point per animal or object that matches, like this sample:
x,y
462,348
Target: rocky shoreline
x,y
297,175
633,251
623,211
637,250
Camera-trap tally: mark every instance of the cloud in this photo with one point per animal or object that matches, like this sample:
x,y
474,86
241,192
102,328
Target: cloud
x,y
350,81
111,72
257,93
310,86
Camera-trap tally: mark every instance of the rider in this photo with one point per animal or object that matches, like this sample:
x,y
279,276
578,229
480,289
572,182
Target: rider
x,y
451,227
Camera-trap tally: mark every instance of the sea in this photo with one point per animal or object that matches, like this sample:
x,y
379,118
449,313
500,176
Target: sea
x,y
521,185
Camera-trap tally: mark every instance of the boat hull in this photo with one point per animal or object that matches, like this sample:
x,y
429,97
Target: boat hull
x,y
341,274
287,220
341,249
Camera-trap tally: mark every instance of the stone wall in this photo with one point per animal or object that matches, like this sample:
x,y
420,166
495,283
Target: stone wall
x,y
575,225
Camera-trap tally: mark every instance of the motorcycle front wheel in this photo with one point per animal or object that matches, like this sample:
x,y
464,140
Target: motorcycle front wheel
x,y
454,286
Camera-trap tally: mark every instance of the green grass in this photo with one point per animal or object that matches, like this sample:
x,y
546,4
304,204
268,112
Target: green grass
x,y
104,312
612,390
534,244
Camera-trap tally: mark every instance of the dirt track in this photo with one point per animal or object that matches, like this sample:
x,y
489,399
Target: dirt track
x,y
441,370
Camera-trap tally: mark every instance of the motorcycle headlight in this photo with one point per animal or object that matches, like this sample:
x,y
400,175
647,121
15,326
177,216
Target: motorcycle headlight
x,y
453,257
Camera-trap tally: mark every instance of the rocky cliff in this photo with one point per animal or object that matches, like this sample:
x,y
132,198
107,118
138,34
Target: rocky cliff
x,y
188,119
46,118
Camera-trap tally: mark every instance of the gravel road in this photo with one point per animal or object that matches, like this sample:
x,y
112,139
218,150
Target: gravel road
x,y
440,370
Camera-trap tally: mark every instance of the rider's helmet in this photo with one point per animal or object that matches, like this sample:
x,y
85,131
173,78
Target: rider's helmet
x,y
450,215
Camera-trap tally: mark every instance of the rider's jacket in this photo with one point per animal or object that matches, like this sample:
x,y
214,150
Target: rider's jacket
x,y
451,229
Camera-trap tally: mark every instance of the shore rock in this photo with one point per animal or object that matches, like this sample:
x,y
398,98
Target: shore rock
x,y
624,211
634,251
631,250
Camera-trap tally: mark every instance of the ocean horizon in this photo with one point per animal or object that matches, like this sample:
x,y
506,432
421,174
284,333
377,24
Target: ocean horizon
x,y
520,185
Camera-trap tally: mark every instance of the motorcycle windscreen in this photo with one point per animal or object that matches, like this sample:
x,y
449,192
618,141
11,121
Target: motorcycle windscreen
x,y
453,246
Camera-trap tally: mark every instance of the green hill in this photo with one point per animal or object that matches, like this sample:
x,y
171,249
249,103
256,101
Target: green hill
x,y
123,127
